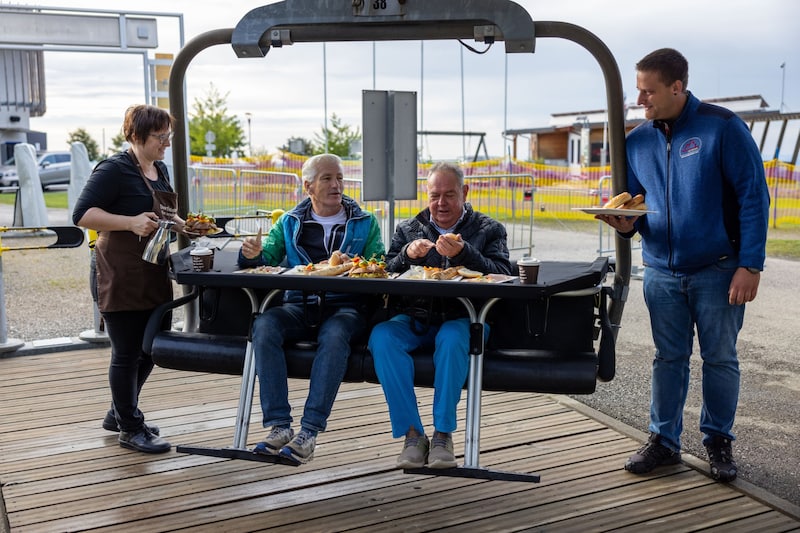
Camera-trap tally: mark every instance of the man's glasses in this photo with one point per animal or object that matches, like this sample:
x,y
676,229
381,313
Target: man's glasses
x,y
164,137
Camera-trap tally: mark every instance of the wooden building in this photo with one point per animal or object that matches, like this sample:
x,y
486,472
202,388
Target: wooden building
x,y
579,138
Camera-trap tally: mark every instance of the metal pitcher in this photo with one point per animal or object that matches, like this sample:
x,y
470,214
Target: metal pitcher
x,y
157,248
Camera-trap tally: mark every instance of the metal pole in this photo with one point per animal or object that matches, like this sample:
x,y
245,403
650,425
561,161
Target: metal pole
x,y
421,97
249,135
783,83
325,93
6,344
463,125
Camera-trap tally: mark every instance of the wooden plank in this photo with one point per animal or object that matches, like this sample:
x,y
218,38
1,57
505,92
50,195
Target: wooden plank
x,y
60,471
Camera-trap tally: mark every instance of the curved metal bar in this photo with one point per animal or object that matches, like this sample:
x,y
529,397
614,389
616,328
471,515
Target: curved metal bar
x,y
616,131
177,107
337,20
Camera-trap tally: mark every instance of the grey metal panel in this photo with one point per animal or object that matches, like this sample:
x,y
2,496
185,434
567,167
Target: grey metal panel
x,y
340,20
389,145
375,146
18,27
404,146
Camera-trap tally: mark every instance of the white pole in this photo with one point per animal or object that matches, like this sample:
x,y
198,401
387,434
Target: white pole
x,y
463,125
325,92
783,83
421,96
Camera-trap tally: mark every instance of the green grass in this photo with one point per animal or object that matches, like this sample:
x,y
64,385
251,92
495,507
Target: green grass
x,y
52,199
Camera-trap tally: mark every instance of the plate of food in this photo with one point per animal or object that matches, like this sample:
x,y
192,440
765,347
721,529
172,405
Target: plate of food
x,y
491,278
263,269
203,233
622,204
321,269
613,211
368,268
432,273
200,225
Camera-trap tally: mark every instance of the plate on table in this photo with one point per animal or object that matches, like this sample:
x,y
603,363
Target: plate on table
x,y
418,272
491,278
208,233
263,269
615,211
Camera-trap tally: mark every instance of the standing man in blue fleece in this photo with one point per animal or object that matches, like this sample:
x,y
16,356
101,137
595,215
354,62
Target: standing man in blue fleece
x,y
325,222
703,249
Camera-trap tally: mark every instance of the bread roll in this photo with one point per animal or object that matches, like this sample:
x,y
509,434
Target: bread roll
x,y
618,200
634,202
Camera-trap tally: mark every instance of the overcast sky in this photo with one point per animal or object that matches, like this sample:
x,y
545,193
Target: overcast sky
x,y
734,48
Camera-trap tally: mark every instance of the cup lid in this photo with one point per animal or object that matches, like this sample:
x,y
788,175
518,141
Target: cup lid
x,y
201,251
526,261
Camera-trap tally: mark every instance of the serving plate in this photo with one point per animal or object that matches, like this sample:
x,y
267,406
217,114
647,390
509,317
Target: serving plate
x,y
261,270
492,278
214,231
615,211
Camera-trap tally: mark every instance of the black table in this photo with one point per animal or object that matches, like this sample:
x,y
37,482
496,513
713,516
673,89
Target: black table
x,y
562,278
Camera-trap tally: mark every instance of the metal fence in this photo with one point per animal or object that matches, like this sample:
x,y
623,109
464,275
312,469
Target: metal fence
x,y
508,190
232,191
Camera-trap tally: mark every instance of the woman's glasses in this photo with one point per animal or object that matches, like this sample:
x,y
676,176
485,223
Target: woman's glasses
x,y
164,137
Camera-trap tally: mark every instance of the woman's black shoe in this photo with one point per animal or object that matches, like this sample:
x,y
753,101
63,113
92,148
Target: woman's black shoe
x,y
143,441
110,424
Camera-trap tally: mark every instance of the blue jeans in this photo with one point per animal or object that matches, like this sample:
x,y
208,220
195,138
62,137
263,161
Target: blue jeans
x,y
337,326
390,344
678,304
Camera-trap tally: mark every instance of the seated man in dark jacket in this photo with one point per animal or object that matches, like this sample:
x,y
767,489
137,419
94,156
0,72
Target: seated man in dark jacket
x,y
447,233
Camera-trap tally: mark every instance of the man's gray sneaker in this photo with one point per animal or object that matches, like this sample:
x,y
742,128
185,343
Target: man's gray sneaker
x,y
441,454
415,452
301,448
276,440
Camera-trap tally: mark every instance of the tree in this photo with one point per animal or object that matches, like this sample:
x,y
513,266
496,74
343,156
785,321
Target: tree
x,y
339,137
298,145
211,114
116,143
81,135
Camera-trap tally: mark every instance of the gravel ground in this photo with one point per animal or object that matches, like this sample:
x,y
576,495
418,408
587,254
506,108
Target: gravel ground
x,y
47,296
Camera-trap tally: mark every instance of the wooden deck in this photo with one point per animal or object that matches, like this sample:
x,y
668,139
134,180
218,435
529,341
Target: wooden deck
x,y
61,472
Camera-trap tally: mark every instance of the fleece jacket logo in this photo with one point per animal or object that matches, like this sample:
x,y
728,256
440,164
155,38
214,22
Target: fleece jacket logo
x,y
690,147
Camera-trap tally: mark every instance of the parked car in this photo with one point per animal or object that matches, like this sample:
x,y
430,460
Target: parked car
x,y
54,169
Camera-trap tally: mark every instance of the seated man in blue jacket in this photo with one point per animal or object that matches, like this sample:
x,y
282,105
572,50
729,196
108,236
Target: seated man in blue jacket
x,y
324,222
447,233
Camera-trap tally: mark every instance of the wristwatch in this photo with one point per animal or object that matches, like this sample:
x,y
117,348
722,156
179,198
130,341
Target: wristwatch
x,y
753,270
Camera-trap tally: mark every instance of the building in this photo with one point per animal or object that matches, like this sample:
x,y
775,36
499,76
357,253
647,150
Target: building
x,y
580,138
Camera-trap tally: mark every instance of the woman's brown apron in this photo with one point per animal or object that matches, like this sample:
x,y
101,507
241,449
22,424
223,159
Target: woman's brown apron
x,y
125,281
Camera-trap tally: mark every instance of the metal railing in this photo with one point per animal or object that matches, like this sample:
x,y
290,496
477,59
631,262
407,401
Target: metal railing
x,y
237,192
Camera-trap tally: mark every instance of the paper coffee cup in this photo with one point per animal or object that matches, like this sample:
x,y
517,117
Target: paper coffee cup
x,y
202,259
528,270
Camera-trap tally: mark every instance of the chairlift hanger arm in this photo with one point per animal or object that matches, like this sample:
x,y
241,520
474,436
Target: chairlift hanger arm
x,y
294,21
338,20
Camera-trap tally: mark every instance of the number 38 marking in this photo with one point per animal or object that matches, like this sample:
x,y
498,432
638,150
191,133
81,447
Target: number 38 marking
x,y
379,4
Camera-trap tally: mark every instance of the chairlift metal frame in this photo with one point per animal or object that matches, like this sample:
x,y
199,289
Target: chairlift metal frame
x,y
489,21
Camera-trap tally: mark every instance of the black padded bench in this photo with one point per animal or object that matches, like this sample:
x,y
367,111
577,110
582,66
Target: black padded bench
x,y
545,344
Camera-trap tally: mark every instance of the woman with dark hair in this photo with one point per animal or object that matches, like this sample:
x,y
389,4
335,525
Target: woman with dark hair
x,y
124,199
